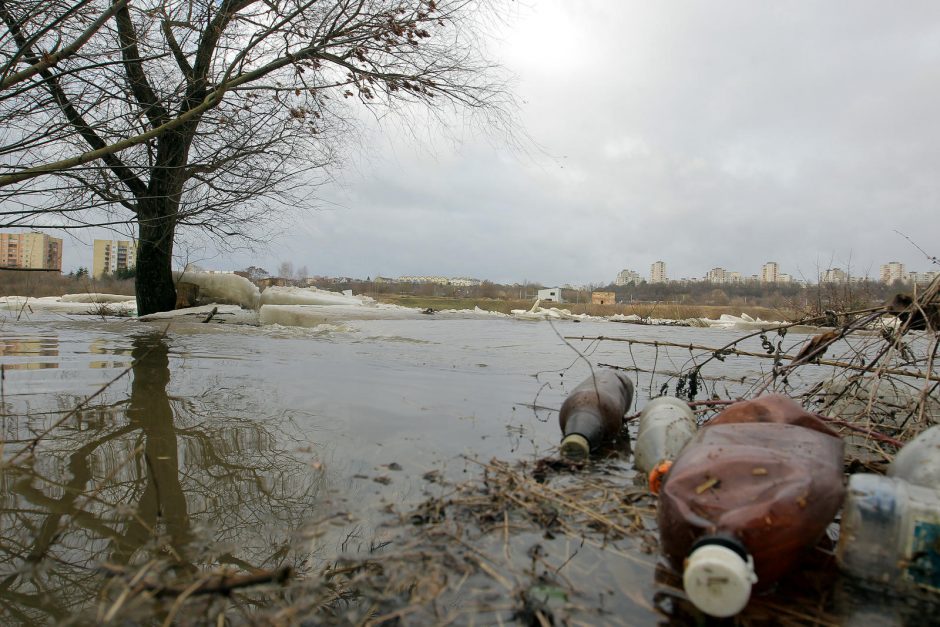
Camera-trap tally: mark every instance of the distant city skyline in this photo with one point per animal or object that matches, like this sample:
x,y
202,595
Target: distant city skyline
x,y
112,254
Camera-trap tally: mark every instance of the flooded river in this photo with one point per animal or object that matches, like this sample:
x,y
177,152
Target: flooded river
x,y
214,444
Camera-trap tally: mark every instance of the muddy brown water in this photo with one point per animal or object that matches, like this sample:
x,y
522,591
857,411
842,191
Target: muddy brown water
x,y
227,442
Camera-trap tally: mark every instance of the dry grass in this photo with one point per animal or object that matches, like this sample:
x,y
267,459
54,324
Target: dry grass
x,y
670,311
39,284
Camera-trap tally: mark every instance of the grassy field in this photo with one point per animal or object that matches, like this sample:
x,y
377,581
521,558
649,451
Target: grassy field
x,y
672,311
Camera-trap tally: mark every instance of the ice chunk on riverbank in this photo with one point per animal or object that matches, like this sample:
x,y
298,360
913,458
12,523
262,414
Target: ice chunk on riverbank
x,y
309,296
223,312
314,315
550,313
476,312
633,318
224,288
55,304
744,321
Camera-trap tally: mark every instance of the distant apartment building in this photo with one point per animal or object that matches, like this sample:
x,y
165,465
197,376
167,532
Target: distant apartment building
x,y
440,280
893,271
464,281
658,272
834,275
717,275
923,279
30,250
769,272
628,277
113,255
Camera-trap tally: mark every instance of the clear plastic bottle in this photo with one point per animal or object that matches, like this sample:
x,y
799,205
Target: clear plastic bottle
x,y
593,412
919,461
666,425
890,530
890,533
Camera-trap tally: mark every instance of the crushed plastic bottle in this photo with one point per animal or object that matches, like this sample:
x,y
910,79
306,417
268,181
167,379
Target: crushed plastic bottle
x,y
919,461
666,426
748,494
890,532
593,412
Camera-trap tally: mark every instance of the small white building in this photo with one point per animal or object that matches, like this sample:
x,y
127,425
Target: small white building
x,y
550,295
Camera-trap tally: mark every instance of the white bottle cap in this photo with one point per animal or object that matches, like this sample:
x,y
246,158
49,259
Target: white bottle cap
x,y
575,446
718,580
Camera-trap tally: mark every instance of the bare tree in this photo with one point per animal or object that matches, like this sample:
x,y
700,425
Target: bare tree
x,y
165,114
285,270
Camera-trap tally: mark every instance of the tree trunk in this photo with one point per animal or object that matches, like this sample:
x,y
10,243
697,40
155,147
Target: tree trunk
x,y
155,288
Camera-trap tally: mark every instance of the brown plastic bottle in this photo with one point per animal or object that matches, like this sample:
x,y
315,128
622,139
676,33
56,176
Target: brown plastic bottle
x,y
593,412
749,493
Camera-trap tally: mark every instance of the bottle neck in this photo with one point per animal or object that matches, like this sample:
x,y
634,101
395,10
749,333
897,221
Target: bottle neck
x,y
723,539
588,424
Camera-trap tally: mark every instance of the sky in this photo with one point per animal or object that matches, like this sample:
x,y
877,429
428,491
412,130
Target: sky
x,y
704,134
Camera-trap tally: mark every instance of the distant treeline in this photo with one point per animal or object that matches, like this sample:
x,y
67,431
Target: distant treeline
x,y
807,299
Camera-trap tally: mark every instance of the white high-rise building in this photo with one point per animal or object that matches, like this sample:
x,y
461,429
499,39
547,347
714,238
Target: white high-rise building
x,y
769,272
893,271
834,275
658,272
626,277
922,279
717,275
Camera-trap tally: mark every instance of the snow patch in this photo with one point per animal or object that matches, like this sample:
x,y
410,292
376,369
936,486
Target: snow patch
x,y
93,297
55,304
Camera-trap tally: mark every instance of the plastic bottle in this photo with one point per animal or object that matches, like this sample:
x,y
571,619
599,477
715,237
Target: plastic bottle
x,y
593,412
890,531
750,492
919,461
666,425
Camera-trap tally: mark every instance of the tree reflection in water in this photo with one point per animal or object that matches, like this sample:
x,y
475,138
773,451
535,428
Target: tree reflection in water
x,y
178,484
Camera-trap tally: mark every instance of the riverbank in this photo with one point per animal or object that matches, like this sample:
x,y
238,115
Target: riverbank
x,y
664,311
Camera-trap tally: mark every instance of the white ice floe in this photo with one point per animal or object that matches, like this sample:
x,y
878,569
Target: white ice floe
x,y
744,321
202,312
55,304
314,315
476,312
95,298
625,318
224,288
550,313
310,296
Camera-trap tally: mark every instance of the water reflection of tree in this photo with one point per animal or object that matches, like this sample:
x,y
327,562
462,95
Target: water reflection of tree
x,y
188,482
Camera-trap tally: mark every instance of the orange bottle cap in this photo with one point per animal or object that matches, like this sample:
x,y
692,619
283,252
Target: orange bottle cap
x,y
657,474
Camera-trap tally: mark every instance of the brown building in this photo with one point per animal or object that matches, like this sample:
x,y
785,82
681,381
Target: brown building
x,y
113,255
273,281
30,250
603,298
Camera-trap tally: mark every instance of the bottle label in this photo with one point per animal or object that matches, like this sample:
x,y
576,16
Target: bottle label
x,y
923,565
